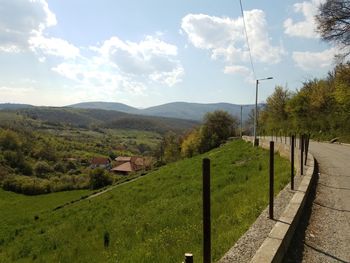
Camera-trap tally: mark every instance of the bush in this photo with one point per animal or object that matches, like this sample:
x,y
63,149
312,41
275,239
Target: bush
x,y
26,168
59,167
42,168
99,178
26,185
9,140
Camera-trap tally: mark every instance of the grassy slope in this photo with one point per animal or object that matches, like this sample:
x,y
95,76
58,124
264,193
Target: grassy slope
x,y
155,219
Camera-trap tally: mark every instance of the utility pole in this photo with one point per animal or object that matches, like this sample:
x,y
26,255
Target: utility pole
x,y
241,121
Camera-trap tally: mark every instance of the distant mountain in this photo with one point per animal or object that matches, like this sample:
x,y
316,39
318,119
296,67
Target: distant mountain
x,y
179,110
195,111
14,106
105,106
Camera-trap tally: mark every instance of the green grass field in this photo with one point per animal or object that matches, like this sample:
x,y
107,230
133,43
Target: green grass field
x,y
154,219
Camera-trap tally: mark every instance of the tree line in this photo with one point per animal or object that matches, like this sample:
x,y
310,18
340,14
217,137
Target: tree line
x,y
216,128
321,107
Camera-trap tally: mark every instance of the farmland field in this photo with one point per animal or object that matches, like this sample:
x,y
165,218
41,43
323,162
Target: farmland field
x,y
154,219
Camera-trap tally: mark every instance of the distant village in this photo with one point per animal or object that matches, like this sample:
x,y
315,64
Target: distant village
x,y
123,165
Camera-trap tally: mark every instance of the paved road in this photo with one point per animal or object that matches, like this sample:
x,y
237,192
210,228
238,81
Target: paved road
x,y
324,233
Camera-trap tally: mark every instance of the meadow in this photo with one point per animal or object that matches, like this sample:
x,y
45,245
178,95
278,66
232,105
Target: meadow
x,y
154,219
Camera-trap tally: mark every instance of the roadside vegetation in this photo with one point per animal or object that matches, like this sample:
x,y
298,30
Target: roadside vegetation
x,y
154,219
321,107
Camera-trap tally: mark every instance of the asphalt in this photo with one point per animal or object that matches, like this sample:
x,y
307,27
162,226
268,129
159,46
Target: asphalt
x,y
324,232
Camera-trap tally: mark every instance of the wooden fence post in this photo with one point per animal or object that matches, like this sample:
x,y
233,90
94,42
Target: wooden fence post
x,y
206,212
307,140
301,154
272,155
188,258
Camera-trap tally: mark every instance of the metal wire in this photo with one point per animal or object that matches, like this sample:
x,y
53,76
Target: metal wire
x,y
247,39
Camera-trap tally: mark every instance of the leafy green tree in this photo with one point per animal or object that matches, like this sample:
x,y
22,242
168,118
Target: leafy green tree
x,y
99,178
46,152
191,144
59,167
217,127
42,169
171,144
9,140
275,116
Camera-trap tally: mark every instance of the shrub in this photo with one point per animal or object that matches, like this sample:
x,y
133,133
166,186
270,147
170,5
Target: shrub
x,y
42,168
26,168
9,140
99,178
59,167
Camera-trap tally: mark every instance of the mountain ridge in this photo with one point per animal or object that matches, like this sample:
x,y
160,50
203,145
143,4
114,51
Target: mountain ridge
x,y
178,110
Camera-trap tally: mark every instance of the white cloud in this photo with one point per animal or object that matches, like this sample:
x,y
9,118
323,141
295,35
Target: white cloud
x,y
307,27
314,60
124,66
237,69
241,70
225,38
151,58
113,66
53,46
20,19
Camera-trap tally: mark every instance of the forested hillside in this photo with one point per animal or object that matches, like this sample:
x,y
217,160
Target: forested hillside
x,y
321,107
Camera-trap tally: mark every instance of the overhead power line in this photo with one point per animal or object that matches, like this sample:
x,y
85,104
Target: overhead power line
x,y
247,39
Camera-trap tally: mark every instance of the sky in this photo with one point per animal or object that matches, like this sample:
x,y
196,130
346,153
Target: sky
x,y
147,53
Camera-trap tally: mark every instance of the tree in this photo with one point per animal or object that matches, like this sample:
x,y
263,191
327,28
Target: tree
x,y
9,140
99,178
42,168
217,127
275,115
171,146
333,23
191,144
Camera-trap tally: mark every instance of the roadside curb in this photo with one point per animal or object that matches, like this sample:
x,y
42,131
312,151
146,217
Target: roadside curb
x,y
276,243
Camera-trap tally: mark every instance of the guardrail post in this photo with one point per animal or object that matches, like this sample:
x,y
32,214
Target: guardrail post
x,y
188,258
292,163
301,154
307,140
206,212
272,152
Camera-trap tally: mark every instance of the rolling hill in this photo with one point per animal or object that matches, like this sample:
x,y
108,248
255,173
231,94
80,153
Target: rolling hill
x,y
153,220
95,118
180,110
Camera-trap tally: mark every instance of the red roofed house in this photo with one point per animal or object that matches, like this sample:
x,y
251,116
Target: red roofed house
x,y
100,162
126,165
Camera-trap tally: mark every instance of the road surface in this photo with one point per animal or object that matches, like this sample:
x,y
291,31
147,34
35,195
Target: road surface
x,y
324,232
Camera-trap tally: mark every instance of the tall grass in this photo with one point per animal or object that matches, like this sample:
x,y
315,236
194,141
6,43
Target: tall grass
x,y
154,219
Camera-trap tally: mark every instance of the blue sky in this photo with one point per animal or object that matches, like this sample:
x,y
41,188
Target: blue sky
x,y
146,53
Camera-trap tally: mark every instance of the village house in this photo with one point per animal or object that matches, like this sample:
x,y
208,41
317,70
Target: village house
x,y
101,162
127,165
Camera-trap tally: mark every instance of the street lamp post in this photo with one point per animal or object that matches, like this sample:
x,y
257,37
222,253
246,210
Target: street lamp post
x,y
256,109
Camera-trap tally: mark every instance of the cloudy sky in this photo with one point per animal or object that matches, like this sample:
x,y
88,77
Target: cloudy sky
x,y
145,53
